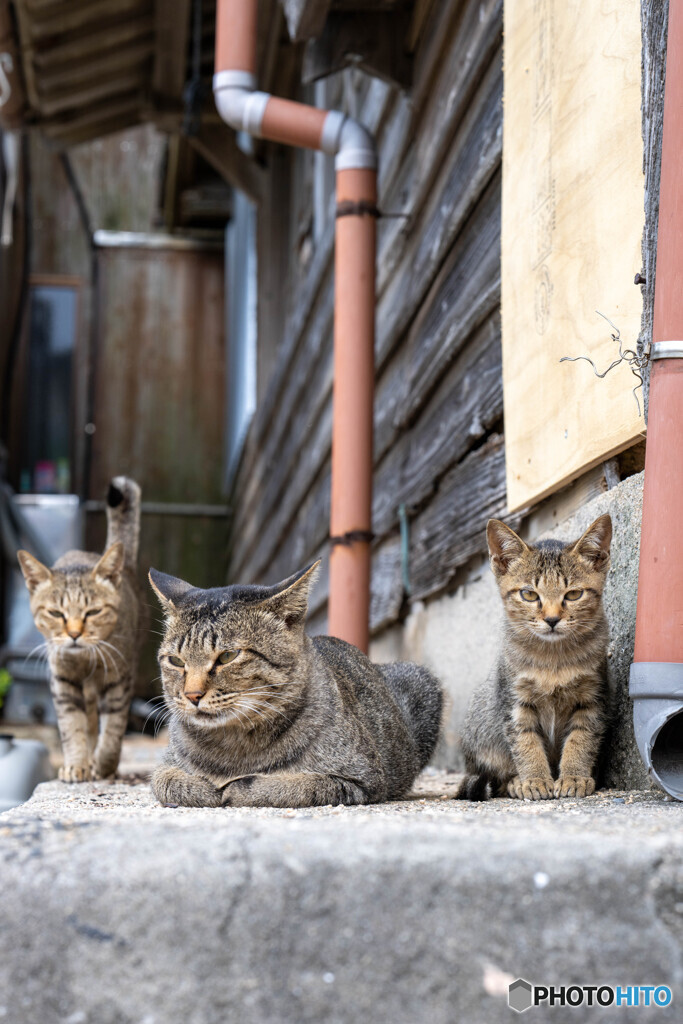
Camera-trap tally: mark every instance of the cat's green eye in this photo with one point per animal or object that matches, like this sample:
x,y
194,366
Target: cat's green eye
x,y
573,595
56,614
178,662
528,595
93,611
226,657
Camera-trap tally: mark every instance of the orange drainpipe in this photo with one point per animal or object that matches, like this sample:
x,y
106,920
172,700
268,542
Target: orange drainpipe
x,y
657,672
295,124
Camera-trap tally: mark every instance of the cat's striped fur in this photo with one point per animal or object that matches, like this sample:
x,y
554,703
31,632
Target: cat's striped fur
x,y
87,608
263,715
536,729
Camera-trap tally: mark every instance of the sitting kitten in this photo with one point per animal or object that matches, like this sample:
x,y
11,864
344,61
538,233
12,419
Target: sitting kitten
x,y
535,731
87,608
263,715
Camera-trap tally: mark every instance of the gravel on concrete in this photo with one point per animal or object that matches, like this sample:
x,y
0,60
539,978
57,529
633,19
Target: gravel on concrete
x,y
115,910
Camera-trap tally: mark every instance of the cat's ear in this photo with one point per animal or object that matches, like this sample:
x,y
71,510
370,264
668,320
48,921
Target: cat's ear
x,y
593,547
110,565
34,571
504,546
290,598
168,589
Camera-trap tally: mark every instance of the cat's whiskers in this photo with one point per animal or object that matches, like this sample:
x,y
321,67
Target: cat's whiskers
x,y
40,651
159,708
266,706
162,721
242,717
110,647
251,708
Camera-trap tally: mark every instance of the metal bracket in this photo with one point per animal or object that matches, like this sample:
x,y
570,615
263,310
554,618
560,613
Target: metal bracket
x,y
666,350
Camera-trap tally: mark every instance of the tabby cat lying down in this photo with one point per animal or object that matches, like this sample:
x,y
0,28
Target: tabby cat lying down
x,y
263,715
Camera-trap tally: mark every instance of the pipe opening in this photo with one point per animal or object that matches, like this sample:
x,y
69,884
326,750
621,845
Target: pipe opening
x,y
667,755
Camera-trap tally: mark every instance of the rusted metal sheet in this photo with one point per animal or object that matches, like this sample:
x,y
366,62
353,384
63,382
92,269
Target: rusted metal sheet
x,y
160,377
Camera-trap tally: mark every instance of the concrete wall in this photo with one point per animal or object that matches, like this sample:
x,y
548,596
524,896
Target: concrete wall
x,y
457,635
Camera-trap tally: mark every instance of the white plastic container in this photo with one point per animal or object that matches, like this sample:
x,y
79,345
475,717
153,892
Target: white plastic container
x,y
23,764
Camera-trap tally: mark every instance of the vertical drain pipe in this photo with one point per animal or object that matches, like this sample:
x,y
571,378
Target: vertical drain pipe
x,y
295,124
657,672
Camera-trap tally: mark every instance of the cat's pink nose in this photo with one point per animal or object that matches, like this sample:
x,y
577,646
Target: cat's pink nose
x,y
194,698
74,628
553,620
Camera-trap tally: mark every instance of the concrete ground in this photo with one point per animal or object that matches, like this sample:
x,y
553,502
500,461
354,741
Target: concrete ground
x,y
114,910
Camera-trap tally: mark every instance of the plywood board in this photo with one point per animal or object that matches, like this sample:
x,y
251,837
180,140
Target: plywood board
x,y
573,194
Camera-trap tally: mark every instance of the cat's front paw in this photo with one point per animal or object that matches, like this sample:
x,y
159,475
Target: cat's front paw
x,y
530,789
574,785
74,773
101,768
176,788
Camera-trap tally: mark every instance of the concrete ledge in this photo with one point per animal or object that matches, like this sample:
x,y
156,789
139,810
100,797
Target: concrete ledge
x,y
118,911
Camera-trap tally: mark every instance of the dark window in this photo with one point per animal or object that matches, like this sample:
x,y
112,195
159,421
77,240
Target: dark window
x,y
46,458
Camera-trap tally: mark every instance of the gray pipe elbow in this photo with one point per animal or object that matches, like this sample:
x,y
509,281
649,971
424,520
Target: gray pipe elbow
x,y
657,692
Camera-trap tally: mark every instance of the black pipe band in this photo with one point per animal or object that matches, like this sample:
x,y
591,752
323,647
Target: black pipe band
x,y
362,208
351,537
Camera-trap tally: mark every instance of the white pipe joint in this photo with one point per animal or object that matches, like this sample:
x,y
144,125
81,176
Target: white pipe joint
x,y
242,107
348,141
238,101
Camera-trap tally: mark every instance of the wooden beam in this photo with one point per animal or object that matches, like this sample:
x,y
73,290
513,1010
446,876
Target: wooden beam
x,y
24,25
421,11
172,29
90,68
374,41
119,107
65,136
106,88
219,148
305,18
64,51
68,18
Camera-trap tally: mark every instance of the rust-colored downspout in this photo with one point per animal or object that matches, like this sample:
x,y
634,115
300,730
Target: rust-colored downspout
x,y
657,672
296,124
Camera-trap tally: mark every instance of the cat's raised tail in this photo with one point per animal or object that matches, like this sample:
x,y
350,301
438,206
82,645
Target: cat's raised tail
x,y
123,517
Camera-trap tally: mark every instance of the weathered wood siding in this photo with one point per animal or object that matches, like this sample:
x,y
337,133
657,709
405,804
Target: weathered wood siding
x,y
438,419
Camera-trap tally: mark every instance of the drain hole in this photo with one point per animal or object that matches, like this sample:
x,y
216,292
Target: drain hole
x,y
667,755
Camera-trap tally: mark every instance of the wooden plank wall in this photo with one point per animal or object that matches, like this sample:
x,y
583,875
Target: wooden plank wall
x,y
438,421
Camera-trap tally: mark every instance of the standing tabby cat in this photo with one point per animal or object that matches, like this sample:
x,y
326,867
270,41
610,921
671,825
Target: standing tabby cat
x,y
535,731
263,715
87,608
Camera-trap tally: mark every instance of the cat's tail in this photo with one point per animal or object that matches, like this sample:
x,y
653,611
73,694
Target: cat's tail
x,y
123,516
475,787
